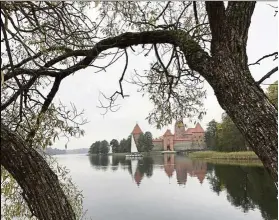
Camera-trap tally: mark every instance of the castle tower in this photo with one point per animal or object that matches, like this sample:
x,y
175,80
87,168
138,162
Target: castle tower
x,y
199,136
168,141
136,133
179,129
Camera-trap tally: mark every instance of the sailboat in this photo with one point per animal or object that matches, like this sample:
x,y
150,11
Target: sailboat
x,y
134,150
110,150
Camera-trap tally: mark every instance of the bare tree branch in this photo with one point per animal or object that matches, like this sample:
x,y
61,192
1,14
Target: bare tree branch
x,y
275,69
275,54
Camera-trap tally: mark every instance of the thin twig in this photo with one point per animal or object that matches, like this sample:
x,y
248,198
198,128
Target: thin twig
x,y
267,75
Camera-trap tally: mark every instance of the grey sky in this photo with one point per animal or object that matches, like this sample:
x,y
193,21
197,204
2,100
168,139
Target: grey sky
x,y
83,88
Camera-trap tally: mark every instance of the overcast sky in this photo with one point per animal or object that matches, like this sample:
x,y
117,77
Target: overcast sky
x,y
83,88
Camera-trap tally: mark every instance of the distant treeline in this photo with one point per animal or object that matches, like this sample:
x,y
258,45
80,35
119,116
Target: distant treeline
x,y
144,144
55,151
103,147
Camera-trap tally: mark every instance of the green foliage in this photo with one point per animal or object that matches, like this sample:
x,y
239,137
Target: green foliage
x,y
104,147
145,143
94,148
146,168
210,134
224,136
114,145
141,143
247,155
272,93
99,147
125,145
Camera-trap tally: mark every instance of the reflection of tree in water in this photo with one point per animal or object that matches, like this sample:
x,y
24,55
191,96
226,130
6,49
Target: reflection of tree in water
x,y
114,163
95,161
247,187
99,161
104,160
114,168
145,166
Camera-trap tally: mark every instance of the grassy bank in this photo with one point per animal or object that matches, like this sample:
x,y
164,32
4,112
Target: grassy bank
x,y
242,155
250,163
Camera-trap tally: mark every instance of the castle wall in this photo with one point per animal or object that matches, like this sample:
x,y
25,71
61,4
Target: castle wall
x,y
158,146
182,145
199,140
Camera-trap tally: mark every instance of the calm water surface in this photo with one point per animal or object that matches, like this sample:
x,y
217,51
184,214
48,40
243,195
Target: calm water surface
x,y
171,187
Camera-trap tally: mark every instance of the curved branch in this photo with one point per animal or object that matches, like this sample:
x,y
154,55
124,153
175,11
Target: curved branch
x,y
41,189
196,56
44,108
267,75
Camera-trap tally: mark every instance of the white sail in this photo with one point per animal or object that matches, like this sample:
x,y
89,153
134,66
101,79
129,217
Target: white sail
x,y
110,150
134,165
133,145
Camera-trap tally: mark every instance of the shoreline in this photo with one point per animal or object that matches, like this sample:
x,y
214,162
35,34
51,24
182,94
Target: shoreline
x,y
240,155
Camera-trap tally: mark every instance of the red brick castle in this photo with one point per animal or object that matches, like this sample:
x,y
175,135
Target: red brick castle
x,y
182,139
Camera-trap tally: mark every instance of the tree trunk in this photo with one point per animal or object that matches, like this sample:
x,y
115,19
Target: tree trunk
x,y
249,108
41,189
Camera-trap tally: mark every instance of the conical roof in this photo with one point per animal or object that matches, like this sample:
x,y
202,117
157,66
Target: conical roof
x,y
198,128
168,133
137,130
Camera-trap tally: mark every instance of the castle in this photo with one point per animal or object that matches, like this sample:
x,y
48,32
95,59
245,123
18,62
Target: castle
x,y
182,139
183,169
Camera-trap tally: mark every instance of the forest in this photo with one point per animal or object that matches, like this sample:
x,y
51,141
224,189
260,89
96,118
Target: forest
x,y
225,136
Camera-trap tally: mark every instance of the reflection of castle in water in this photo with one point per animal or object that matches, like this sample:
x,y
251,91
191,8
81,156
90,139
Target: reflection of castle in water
x,y
138,169
183,167
135,172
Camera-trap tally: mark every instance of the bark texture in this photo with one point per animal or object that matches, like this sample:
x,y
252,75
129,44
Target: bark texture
x,y
236,90
41,189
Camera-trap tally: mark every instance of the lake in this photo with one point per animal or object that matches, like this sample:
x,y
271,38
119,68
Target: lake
x,y
169,187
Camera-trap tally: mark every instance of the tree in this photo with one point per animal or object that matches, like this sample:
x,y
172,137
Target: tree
x,y
45,42
148,141
141,143
104,147
95,148
224,136
272,93
228,136
125,145
14,205
210,135
99,147
115,145
145,143
128,144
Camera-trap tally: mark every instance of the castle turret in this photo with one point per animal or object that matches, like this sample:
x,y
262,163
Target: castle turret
x,y
179,129
136,133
